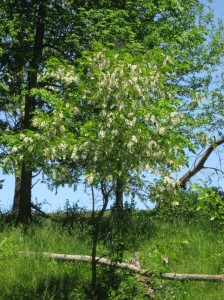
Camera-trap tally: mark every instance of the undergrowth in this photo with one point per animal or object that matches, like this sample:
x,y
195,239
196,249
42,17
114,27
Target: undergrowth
x,y
166,242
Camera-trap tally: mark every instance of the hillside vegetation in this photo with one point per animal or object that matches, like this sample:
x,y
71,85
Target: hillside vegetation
x,y
168,240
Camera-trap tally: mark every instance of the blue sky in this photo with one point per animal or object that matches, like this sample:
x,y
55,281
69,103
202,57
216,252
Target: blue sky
x,y
58,200
218,6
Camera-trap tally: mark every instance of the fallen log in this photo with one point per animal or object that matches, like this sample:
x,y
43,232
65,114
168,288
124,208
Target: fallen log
x,y
193,276
128,266
86,258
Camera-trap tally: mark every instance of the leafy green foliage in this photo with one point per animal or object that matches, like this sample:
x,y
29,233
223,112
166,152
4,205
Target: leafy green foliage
x,y
178,206
211,200
123,82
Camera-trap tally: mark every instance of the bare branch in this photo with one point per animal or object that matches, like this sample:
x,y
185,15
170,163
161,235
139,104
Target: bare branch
x,y
200,163
215,169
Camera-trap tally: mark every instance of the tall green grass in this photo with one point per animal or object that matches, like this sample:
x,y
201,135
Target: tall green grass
x,y
194,246
186,248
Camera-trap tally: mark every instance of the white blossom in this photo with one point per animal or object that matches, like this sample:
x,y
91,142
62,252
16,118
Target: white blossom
x,y
134,139
132,122
74,155
53,150
28,139
121,105
152,119
46,152
161,130
14,149
62,146
170,181
130,144
114,132
30,148
102,133
90,178
151,144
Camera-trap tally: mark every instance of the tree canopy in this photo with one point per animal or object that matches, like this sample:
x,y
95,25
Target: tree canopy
x,y
106,90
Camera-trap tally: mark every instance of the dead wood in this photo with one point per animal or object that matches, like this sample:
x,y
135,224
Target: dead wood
x,y
193,276
86,258
128,266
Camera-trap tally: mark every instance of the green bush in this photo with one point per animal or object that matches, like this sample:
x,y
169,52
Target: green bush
x,y
211,201
181,206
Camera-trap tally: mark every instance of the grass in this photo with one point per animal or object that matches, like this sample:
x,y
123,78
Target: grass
x,y
183,247
195,248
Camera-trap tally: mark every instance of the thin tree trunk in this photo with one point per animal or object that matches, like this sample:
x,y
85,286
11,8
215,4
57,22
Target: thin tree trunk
x,y
23,189
97,219
94,246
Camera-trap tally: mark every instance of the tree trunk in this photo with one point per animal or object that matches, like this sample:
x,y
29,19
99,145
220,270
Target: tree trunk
x,y
24,205
97,219
119,194
16,200
22,197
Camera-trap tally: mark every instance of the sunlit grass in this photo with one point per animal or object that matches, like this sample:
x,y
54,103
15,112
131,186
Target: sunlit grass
x,y
186,248
195,247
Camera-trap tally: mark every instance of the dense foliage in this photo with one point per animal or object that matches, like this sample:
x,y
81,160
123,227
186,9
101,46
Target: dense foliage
x,y
121,90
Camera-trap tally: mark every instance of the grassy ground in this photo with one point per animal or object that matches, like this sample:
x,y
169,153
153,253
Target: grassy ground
x,y
183,247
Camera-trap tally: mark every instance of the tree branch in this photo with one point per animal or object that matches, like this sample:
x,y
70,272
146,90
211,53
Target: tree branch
x,y
215,169
200,164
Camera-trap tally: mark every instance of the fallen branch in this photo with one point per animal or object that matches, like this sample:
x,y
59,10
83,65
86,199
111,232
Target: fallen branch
x,y
128,266
192,276
86,258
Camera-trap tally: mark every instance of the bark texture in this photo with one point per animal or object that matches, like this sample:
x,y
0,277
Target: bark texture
x,y
22,197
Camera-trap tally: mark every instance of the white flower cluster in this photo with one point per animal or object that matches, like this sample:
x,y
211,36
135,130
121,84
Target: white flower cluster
x,y
124,123
175,117
169,181
62,74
